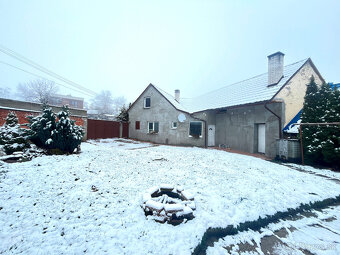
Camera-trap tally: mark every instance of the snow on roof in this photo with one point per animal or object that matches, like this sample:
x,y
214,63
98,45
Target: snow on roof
x,y
252,90
172,100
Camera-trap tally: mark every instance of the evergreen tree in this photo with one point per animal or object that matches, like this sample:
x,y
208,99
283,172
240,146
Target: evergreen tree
x,y
330,135
67,136
12,137
310,114
321,143
12,119
123,115
42,128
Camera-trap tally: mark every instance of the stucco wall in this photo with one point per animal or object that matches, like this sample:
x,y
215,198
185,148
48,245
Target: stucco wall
x,y
294,92
237,127
163,112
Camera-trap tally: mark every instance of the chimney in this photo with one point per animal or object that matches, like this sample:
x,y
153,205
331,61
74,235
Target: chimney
x,y
177,93
275,68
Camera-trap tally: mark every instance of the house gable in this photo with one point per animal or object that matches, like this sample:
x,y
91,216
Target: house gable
x,y
293,91
163,94
163,112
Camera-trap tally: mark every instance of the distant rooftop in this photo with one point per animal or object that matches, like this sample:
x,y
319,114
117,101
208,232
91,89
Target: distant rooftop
x,y
67,97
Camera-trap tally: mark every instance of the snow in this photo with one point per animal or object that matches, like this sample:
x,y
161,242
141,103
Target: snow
x,y
154,205
48,205
294,128
313,234
173,207
187,195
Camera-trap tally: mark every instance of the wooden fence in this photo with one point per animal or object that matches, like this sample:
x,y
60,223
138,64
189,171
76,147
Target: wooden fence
x,y
106,129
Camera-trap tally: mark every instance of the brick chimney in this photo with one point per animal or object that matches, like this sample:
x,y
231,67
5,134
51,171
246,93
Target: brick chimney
x,y
177,94
275,67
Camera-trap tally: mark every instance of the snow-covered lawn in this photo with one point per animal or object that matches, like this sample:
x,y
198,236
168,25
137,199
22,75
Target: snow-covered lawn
x,y
47,205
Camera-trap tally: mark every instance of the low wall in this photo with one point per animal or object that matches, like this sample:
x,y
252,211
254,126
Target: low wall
x,y
24,109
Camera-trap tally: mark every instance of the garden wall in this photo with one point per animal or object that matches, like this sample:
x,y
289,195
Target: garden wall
x,y
24,109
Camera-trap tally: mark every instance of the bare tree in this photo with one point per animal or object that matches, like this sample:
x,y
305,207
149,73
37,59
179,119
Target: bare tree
x,y
118,104
37,91
103,102
5,92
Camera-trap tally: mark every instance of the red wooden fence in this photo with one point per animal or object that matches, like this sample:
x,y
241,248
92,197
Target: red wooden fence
x,y
106,129
125,132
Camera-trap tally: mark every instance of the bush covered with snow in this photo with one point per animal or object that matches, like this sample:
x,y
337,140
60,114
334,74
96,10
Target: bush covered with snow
x,y
42,127
57,135
67,136
12,137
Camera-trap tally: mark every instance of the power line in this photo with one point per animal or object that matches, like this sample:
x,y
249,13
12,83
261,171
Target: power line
x,y
39,76
29,62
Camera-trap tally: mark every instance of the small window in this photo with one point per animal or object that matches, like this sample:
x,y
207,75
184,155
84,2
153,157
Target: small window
x,y
137,124
147,102
195,129
173,125
153,127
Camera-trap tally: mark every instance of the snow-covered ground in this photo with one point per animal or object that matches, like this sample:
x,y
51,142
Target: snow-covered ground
x,y
47,205
318,233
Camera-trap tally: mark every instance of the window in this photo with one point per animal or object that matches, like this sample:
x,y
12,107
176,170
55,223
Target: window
x,y
173,125
74,103
153,127
195,129
147,102
137,124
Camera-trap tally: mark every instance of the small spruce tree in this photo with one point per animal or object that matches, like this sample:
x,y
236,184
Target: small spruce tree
x,y
12,137
42,127
67,136
123,115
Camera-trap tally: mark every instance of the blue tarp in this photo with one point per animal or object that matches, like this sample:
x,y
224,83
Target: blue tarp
x,y
289,126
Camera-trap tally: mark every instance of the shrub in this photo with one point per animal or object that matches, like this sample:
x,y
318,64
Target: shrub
x,y
42,128
58,136
12,137
67,136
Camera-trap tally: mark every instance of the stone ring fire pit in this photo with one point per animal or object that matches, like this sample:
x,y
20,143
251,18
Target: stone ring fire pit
x,y
167,203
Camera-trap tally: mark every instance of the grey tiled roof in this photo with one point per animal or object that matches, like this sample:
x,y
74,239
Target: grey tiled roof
x,y
244,92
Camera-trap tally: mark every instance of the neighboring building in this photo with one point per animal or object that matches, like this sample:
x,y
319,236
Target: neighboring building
x,y
95,115
248,116
71,101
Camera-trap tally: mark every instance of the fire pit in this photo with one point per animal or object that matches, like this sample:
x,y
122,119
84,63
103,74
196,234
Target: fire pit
x,y
167,203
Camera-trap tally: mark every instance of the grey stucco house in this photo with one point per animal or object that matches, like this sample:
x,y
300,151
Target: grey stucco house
x,y
248,116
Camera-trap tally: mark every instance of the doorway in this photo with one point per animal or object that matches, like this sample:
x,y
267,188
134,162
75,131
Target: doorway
x,y
211,135
261,138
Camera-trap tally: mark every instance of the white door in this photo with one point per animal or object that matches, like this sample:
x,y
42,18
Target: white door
x,y
211,135
261,136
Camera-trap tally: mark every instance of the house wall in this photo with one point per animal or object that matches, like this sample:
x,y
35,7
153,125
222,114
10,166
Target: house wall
x,y
236,128
294,92
163,112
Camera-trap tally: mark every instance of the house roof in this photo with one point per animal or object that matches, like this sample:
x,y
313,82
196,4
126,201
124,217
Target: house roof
x,y
248,91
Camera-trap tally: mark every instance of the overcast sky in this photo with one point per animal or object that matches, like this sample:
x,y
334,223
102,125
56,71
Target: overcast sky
x,y
195,46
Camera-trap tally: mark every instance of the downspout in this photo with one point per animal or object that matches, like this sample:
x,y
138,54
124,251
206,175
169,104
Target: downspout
x,y
205,129
277,116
